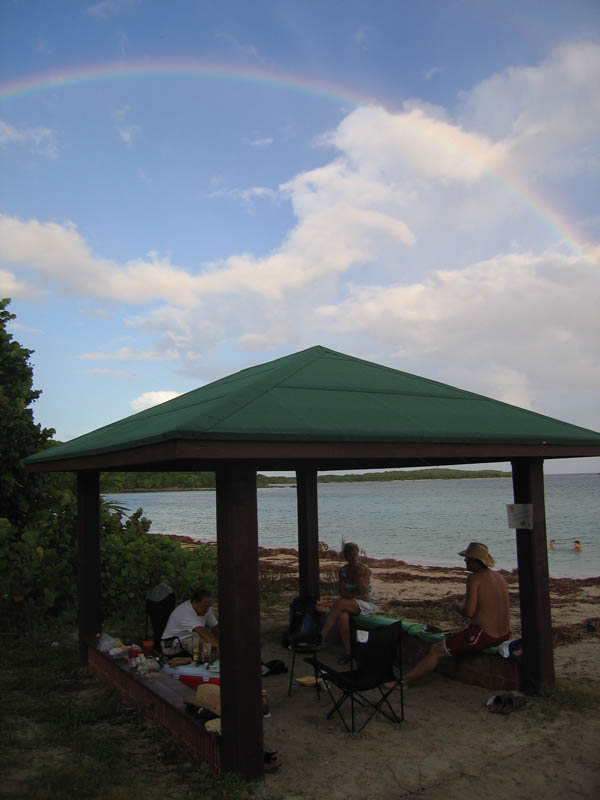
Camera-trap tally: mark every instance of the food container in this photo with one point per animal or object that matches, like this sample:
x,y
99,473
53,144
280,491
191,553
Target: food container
x,y
192,675
148,648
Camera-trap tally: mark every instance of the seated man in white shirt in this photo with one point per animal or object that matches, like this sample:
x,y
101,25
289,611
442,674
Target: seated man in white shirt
x,y
190,625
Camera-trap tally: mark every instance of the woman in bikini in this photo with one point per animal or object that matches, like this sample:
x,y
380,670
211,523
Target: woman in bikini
x,y
356,597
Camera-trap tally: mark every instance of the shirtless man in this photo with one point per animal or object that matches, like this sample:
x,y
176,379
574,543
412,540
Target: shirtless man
x,y
486,608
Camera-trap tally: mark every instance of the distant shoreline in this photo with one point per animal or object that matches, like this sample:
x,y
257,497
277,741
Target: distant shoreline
x,y
364,477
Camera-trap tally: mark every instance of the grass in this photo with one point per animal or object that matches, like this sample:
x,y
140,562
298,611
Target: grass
x,y
62,735
582,696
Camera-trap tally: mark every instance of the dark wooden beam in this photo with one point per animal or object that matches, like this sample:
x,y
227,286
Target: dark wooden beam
x,y
534,585
208,455
239,621
88,532
308,531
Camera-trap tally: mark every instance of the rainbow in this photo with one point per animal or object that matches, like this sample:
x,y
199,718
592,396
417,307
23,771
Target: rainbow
x,y
554,219
177,70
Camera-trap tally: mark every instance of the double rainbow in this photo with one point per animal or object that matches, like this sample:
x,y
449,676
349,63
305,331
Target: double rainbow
x,y
561,226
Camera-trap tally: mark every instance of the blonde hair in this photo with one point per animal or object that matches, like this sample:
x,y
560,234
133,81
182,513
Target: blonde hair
x,y
348,546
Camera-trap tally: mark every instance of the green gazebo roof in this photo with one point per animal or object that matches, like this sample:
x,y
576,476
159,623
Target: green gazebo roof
x,y
322,396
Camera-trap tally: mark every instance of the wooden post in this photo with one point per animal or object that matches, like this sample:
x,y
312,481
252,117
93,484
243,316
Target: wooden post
x,y
239,621
534,585
308,531
88,532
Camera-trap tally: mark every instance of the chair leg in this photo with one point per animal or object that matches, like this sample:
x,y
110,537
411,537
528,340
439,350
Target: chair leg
x,y
379,707
292,672
317,682
336,708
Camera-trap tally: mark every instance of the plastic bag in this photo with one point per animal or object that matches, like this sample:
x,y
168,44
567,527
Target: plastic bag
x,y
105,643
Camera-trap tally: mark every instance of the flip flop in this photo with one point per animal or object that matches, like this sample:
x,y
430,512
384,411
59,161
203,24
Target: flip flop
x,y
513,702
495,704
272,762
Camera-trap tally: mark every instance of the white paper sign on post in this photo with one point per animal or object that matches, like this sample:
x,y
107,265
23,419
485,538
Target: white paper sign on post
x,y
520,515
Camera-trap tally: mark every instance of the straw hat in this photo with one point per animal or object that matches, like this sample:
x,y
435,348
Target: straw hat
x,y
208,695
480,552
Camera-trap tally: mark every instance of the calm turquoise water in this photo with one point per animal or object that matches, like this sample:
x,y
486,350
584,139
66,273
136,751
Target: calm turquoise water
x,y
421,522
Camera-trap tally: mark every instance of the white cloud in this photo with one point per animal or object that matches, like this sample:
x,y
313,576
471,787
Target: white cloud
x,y
430,73
362,37
508,319
11,286
110,8
243,49
150,399
126,130
388,145
254,342
129,354
17,326
42,46
262,142
399,247
548,116
246,195
41,141
128,133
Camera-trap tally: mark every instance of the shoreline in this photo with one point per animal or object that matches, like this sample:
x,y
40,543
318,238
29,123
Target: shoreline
x,y
411,475
374,562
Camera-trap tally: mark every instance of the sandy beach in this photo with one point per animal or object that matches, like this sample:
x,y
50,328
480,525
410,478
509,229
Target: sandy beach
x,y
449,745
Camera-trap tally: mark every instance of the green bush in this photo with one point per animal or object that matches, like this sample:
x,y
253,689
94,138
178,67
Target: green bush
x,y
133,561
38,568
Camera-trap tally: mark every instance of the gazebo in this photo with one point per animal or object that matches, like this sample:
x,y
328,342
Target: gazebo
x,y
313,410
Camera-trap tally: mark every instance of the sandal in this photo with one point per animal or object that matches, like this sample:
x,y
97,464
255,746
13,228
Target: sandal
x,y
272,763
495,704
345,659
505,703
513,702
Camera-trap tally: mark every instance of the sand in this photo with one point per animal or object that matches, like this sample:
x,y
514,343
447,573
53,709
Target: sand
x,y
449,745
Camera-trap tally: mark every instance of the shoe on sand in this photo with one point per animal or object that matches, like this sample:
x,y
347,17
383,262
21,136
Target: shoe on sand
x,y
505,703
272,762
495,704
513,702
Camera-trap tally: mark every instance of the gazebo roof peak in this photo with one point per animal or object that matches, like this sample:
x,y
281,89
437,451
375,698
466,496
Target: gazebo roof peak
x,y
320,395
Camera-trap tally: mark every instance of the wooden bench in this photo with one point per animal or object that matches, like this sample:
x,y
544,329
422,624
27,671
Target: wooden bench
x,y
486,668
161,697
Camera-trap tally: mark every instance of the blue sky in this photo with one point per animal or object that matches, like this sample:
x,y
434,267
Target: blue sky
x,y
190,188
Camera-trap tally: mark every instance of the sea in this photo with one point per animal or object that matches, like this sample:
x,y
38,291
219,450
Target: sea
x,y
422,522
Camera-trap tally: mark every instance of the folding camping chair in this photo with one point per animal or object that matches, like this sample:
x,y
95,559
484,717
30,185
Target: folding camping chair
x,y
303,636
378,667
160,601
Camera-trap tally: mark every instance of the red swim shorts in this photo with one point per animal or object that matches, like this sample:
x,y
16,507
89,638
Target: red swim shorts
x,y
470,640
